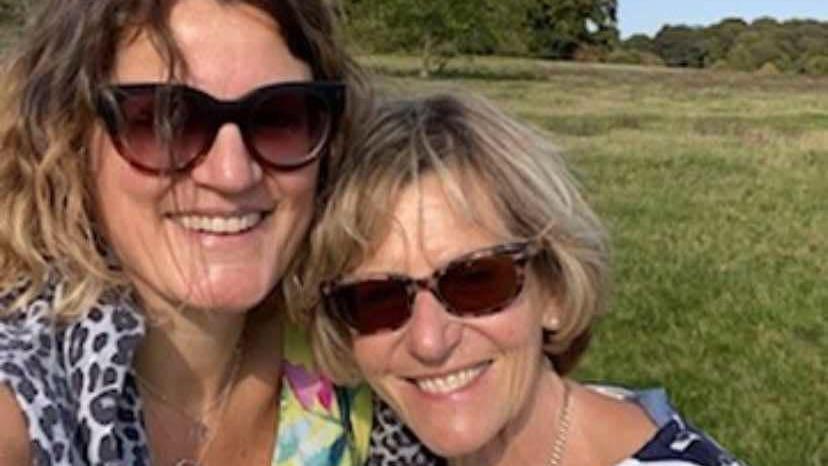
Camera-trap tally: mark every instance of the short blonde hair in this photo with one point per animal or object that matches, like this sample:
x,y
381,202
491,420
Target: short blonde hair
x,y
465,141
47,91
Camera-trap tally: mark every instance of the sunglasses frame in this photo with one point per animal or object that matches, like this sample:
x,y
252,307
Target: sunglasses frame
x,y
217,114
520,253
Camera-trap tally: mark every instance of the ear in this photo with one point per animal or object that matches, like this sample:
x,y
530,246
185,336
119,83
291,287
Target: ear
x,y
552,312
550,321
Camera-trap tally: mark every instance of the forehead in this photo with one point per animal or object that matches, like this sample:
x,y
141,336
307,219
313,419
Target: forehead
x,y
228,49
434,220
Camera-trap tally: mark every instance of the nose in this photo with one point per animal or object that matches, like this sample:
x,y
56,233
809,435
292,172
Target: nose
x,y
227,166
432,334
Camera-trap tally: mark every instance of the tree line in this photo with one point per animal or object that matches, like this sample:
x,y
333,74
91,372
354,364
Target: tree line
x,y
767,45
583,30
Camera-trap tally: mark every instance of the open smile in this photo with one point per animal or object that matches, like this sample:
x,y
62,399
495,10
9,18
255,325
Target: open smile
x,y
450,382
220,224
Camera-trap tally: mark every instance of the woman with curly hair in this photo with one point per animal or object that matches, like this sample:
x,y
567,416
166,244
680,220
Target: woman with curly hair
x,y
159,164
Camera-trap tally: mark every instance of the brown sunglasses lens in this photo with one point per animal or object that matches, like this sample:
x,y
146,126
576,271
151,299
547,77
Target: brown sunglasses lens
x,y
288,127
373,305
480,286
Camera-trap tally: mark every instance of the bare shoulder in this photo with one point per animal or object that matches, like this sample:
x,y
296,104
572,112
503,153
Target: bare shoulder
x,y
624,429
15,448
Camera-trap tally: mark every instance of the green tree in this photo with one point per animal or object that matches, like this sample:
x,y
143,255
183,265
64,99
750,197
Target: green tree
x,y
682,46
559,28
720,38
756,48
434,29
640,43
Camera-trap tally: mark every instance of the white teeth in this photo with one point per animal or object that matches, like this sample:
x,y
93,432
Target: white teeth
x,y
450,382
219,225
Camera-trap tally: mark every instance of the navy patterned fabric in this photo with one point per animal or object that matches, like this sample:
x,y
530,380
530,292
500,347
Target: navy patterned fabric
x,y
676,443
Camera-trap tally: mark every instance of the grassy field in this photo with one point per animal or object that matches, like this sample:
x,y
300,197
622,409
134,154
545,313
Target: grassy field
x,y
715,190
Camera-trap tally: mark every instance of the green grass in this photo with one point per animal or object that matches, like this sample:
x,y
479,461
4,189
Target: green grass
x,y
715,190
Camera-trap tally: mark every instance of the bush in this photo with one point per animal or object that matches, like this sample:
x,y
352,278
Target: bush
x,y
768,69
721,64
634,57
590,53
624,57
815,65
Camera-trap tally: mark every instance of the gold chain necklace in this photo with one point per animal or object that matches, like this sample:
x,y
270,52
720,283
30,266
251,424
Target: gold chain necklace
x,y
559,445
203,434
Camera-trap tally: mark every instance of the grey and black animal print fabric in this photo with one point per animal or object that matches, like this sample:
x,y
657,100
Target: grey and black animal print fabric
x,y
393,444
71,380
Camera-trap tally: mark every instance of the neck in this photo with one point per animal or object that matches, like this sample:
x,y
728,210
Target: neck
x,y
530,435
188,356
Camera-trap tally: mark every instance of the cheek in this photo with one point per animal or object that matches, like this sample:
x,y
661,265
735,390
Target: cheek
x,y
522,344
300,184
370,354
375,356
523,364
124,198
294,193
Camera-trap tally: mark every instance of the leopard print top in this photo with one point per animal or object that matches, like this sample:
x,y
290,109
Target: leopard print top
x,y
393,444
72,381
82,407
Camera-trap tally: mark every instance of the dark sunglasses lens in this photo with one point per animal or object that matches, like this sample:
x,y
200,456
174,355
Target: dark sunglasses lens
x,y
480,286
161,131
371,306
289,127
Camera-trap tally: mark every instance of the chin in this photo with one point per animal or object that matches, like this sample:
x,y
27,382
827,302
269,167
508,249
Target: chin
x,y
222,306
451,444
231,304
448,448
230,298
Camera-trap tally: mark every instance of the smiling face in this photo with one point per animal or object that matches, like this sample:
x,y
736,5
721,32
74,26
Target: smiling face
x,y
220,236
457,382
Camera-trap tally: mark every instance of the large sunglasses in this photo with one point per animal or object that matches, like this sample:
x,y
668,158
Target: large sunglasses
x,y
479,283
162,128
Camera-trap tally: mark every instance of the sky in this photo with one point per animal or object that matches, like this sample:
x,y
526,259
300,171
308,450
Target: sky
x,y
647,16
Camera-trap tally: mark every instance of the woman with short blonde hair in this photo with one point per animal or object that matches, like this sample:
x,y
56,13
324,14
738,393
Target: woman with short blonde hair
x,y
461,272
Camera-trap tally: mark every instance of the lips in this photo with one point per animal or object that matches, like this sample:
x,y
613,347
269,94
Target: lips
x,y
219,224
450,382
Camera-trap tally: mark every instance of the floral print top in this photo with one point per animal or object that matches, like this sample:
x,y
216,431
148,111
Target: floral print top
x,y
319,424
